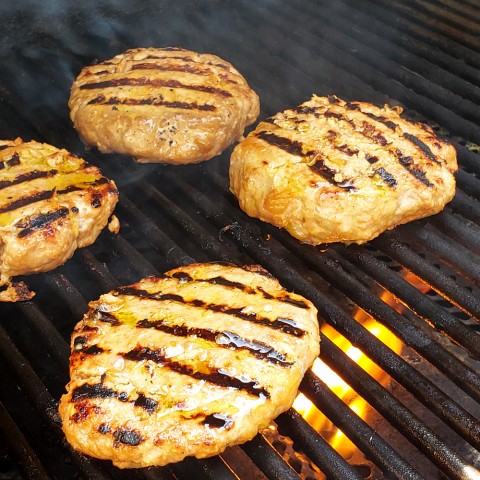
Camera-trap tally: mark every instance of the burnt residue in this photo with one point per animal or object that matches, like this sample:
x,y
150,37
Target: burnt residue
x,y
11,162
148,404
96,200
83,409
424,148
152,101
409,165
126,437
41,221
156,83
387,177
347,150
79,342
371,158
26,177
95,390
211,375
92,350
106,317
104,428
218,420
27,200
183,277
223,339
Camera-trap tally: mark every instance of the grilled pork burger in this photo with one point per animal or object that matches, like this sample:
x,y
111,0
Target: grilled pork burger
x,y
166,105
336,171
184,364
51,203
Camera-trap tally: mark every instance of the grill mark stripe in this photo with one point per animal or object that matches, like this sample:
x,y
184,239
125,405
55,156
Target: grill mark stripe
x,y
295,147
41,221
13,161
422,146
232,340
97,390
409,165
387,177
215,376
285,298
83,186
140,82
27,200
171,68
156,102
284,324
45,195
185,58
25,177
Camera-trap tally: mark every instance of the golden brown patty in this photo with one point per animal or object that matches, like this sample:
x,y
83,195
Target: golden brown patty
x,y
166,105
189,363
336,171
51,202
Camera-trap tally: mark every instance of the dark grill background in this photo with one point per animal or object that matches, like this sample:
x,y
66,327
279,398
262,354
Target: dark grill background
x,y
424,55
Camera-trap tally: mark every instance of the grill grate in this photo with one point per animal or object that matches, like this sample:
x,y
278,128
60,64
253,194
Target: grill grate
x,y
424,55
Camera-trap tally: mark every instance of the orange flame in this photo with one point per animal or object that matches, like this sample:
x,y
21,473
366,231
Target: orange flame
x,y
317,419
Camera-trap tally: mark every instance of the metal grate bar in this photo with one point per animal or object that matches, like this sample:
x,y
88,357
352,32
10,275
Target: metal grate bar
x,y
43,402
27,461
318,450
415,300
356,429
443,284
268,459
412,427
462,260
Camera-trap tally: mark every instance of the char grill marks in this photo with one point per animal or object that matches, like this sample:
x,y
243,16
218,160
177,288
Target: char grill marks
x,y
155,74
210,375
223,339
175,324
286,325
349,123
26,182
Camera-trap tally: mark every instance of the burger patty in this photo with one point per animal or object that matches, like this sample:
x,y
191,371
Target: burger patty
x,y
336,171
166,105
51,202
188,363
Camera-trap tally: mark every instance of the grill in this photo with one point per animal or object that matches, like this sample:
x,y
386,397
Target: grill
x,y
420,281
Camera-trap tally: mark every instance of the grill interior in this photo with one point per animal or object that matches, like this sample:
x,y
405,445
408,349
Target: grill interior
x,y
424,55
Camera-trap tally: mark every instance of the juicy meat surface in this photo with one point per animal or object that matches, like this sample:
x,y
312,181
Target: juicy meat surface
x,y
166,105
51,203
188,363
336,171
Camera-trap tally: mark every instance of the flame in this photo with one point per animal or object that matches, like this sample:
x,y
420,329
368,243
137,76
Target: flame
x,y
337,439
